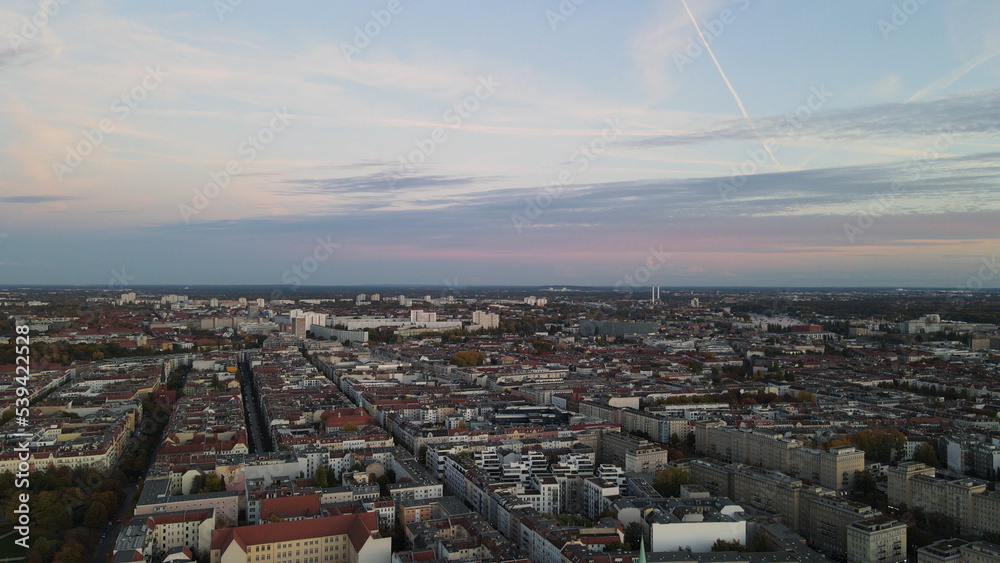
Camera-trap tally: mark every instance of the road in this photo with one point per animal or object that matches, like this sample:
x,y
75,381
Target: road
x,y
251,406
111,533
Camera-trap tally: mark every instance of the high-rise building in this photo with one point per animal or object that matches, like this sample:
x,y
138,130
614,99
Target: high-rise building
x,y
486,319
419,316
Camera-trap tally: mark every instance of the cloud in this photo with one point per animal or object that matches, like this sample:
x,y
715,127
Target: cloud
x,y
37,199
375,183
977,112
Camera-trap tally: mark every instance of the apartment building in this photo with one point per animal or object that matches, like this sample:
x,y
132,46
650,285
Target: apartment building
x,y
646,459
980,552
348,538
913,485
835,469
156,500
817,513
876,540
942,551
900,477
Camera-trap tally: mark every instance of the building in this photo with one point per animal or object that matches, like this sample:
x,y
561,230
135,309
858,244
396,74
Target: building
x,y
348,538
646,459
913,485
299,327
485,319
942,551
899,480
695,525
876,540
156,499
420,317
980,552
835,469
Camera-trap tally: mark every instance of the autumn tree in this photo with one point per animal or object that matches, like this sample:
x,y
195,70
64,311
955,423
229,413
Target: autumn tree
x,y
668,481
50,512
926,454
96,516
468,358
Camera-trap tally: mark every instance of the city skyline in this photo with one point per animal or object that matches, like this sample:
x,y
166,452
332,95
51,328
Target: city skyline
x,y
529,144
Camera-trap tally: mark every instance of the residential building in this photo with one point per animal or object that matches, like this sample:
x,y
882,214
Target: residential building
x,y
876,540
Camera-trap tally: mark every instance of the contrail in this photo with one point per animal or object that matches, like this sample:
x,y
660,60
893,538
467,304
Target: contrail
x,y
730,86
953,76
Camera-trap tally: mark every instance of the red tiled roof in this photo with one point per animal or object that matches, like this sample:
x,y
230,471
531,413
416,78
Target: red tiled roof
x,y
299,506
192,516
359,526
360,532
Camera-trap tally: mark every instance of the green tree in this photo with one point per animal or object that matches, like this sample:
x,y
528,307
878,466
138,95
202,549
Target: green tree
x,y
96,516
616,546
213,484
321,479
668,481
634,533
50,512
723,545
46,547
926,454
864,482
880,446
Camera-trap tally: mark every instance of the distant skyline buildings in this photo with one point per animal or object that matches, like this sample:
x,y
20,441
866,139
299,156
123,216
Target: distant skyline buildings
x,y
775,144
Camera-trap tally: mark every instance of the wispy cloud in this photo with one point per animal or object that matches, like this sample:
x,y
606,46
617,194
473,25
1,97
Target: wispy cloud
x,y
977,112
37,199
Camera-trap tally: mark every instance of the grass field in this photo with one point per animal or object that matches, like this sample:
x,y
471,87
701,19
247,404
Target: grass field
x,y
9,551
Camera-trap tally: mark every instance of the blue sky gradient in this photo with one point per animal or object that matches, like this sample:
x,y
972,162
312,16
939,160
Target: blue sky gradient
x,y
500,142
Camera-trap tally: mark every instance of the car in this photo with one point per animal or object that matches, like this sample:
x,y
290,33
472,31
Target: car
x,y
118,520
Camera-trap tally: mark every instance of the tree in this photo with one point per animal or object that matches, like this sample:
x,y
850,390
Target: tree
x,y
71,552
541,346
668,481
349,427
96,516
50,512
616,546
864,482
213,484
723,545
634,533
926,454
321,479
880,446
468,358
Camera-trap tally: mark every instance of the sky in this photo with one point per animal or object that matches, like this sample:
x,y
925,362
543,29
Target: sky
x,y
574,142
